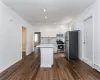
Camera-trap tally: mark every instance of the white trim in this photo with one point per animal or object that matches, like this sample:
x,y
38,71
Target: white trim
x,y
87,17
93,35
88,62
11,64
3,69
97,67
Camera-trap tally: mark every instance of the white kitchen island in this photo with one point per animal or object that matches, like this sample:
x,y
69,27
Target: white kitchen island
x,y
46,55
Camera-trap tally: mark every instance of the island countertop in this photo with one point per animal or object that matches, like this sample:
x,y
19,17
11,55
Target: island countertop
x,y
45,46
47,56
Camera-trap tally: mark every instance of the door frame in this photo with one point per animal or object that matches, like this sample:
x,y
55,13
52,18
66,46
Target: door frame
x,y
39,36
89,16
24,53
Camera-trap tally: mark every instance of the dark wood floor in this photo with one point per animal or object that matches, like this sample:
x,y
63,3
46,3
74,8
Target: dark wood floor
x,y
28,69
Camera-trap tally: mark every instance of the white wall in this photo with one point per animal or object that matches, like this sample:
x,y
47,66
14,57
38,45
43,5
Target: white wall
x,y
88,32
51,30
78,24
11,37
93,10
97,35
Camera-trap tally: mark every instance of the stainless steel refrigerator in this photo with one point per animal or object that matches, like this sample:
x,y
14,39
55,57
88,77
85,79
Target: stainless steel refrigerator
x,y
71,44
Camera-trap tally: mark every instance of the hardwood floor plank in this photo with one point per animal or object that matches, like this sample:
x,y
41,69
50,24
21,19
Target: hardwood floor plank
x,y
29,69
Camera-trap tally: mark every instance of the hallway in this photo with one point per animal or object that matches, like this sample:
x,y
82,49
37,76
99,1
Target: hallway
x,y
28,69
52,19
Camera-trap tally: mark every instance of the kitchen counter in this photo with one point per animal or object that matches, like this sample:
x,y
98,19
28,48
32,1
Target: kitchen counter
x,y
46,46
47,56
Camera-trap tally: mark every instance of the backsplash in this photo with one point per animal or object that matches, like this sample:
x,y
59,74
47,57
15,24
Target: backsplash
x,y
50,40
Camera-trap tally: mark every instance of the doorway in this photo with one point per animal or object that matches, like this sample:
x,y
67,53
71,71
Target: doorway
x,y
88,39
37,38
37,41
23,42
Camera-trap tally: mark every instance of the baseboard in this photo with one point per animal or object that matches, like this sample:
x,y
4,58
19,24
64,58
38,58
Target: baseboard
x,y
88,62
3,69
97,67
94,66
13,64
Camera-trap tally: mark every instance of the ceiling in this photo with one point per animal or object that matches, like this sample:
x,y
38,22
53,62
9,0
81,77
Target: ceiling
x,y
56,10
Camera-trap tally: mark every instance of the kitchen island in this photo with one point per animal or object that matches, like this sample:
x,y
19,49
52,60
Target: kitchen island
x,y
46,55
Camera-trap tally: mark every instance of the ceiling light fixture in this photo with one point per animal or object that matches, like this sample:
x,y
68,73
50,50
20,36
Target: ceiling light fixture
x,y
55,23
44,10
46,17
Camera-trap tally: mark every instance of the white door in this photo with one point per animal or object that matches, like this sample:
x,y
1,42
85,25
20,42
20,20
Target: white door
x,y
88,39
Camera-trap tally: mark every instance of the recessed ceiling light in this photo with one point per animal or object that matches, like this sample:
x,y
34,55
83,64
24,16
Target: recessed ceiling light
x,y
44,10
46,17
